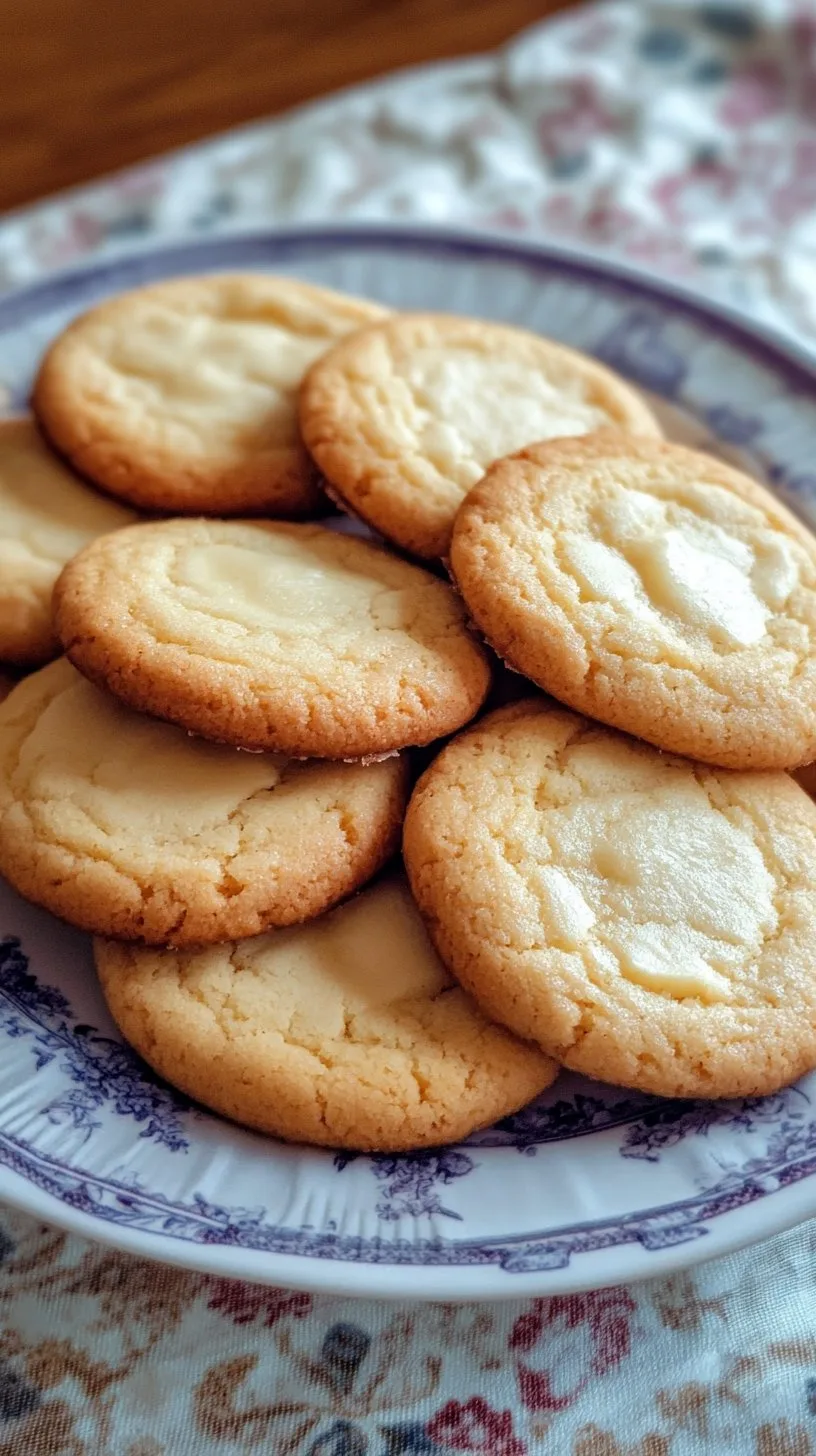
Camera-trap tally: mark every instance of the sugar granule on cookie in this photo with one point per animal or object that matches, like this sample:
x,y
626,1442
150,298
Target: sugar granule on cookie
x,y
647,920
652,587
346,1032
284,637
129,827
182,396
406,415
46,515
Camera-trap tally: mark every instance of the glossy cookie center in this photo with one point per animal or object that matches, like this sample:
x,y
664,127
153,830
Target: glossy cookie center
x,y
691,570
108,771
213,373
291,586
649,880
474,407
339,976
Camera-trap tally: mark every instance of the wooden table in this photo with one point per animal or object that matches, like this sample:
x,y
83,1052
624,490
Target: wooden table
x,y
87,86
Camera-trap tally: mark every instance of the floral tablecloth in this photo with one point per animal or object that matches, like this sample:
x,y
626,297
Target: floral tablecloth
x,y
682,137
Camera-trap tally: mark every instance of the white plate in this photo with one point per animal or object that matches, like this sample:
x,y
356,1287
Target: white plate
x,y
589,1186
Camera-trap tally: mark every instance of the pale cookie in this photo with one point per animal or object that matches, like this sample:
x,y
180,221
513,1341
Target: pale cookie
x,y
128,827
647,920
46,515
653,588
274,636
183,396
405,416
346,1032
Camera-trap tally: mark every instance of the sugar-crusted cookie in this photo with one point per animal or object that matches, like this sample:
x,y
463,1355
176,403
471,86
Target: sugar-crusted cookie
x,y
347,1031
182,396
277,636
653,588
46,514
129,827
647,920
405,416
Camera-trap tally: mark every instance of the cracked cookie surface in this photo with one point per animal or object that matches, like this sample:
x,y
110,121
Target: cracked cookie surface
x,y
46,515
651,587
129,827
406,416
346,1032
647,920
182,396
283,637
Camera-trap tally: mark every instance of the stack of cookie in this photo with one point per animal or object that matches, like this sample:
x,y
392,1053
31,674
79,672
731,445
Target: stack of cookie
x,y
625,885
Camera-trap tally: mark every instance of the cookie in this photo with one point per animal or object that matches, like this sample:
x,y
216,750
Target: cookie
x,y
406,415
46,515
182,396
128,827
647,920
6,685
346,1032
282,637
651,587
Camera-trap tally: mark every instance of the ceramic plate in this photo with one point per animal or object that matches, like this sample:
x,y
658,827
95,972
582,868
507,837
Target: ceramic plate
x,y
588,1186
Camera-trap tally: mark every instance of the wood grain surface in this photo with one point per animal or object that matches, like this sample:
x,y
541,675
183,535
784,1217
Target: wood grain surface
x,y
87,86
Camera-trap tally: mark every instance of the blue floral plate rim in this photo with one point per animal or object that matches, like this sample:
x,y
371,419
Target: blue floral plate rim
x,y
232,248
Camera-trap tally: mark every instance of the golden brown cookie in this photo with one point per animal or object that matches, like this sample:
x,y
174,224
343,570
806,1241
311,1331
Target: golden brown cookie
x,y
46,515
647,920
6,685
406,415
346,1032
653,588
182,396
129,827
273,636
